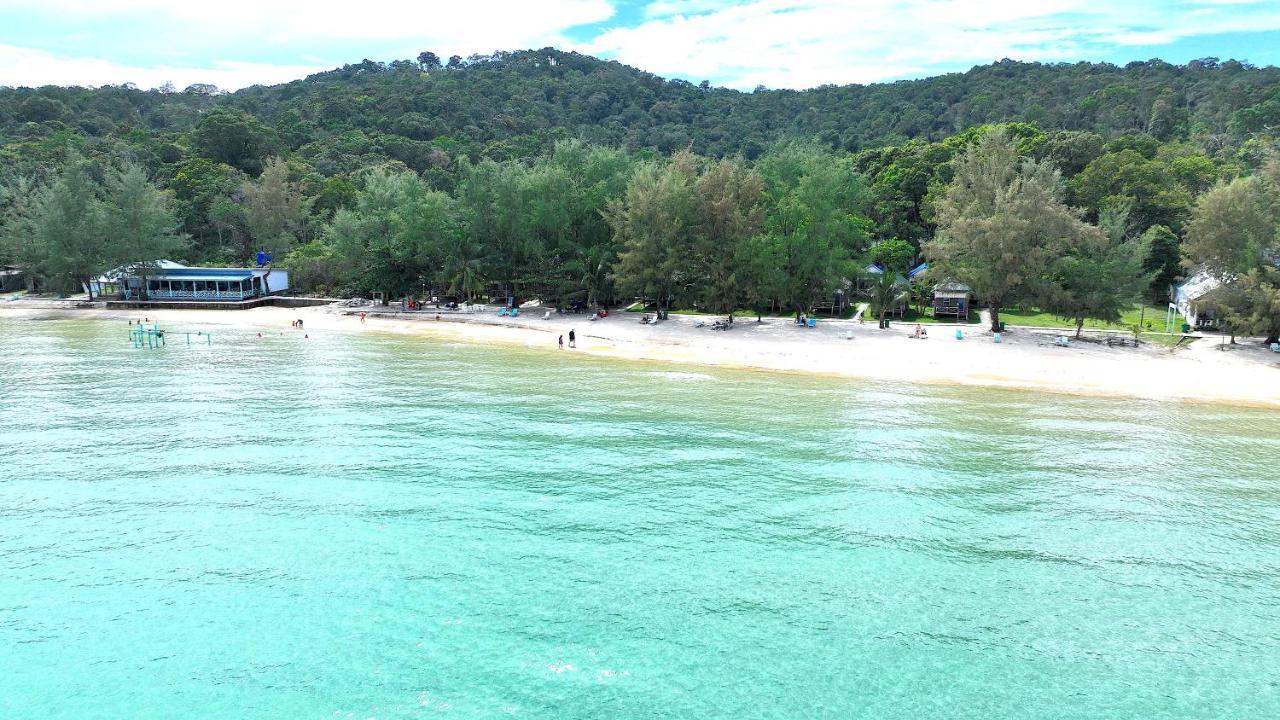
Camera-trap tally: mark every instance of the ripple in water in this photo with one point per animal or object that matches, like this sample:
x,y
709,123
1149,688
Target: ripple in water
x,y
396,527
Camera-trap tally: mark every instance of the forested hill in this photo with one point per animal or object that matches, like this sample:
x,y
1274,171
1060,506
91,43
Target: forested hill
x,y
518,104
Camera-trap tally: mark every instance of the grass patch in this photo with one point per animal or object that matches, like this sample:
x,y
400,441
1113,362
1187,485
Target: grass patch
x,y
1164,340
1152,317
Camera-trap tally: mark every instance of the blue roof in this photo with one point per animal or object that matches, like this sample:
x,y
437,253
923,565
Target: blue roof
x,y
206,274
917,270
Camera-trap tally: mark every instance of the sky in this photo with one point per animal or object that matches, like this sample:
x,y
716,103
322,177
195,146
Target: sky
x,y
776,43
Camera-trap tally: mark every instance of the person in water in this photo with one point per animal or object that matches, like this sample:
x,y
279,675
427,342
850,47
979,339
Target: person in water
x,y
573,339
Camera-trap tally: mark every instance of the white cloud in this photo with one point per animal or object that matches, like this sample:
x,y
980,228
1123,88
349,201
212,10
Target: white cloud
x,y
803,43
459,25
777,43
33,68
319,34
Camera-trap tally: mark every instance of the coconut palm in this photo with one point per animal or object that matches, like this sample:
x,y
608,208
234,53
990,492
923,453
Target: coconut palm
x,y
888,290
464,270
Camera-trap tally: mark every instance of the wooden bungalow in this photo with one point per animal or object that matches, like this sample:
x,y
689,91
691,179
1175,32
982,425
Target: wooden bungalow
x,y
12,278
952,298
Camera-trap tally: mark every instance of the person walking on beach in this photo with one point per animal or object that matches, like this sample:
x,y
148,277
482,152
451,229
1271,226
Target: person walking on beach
x,y
561,342
573,339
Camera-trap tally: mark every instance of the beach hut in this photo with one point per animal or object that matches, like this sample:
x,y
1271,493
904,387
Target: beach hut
x,y
1192,299
12,278
952,299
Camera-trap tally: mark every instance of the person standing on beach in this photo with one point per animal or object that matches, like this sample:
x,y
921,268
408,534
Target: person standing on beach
x,y
573,339
561,342
362,316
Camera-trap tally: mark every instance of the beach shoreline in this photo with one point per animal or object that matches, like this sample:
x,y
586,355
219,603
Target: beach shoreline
x,y
1247,375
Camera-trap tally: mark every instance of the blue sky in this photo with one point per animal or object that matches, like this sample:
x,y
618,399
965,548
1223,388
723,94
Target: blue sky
x,y
777,43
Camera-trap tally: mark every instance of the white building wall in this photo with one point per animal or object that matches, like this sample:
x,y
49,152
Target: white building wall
x,y
277,281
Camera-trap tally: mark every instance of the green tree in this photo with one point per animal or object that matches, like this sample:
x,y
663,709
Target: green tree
x,y
814,221
138,222
233,137
1163,262
56,230
652,224
398,232
893,255
1235,235
889,289
726,203
464,268
275,209
1101,274
1156,195
1001,223
198,186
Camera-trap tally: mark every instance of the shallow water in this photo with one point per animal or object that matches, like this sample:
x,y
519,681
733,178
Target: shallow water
x,y
365,526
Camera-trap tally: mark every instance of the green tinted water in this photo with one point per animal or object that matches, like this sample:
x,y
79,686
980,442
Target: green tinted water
x,y
397,528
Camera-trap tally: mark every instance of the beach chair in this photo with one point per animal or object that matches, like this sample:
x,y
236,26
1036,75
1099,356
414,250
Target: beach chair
x,y
699,322
959,334
1062,342
813,322
995,337
503,312
515,312
1275,347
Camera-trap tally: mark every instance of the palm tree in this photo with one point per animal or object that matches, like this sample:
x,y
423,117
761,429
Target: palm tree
x,y
464,270
888,291
595,268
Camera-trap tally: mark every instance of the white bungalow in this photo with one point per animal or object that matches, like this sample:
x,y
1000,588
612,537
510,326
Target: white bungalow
x,y
1190,297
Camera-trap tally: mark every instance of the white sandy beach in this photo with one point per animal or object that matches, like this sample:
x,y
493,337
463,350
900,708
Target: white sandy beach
x,y
1026,359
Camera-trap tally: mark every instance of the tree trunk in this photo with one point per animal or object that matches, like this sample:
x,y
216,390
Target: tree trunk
x,y
882,314
1079,327
995,318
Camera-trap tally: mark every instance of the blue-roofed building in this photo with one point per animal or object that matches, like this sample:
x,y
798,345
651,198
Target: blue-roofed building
x,y
203,284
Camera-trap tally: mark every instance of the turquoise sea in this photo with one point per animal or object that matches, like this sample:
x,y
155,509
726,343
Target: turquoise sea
x,y
387,527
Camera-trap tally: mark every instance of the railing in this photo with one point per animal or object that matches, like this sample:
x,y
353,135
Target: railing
x,y
228,295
